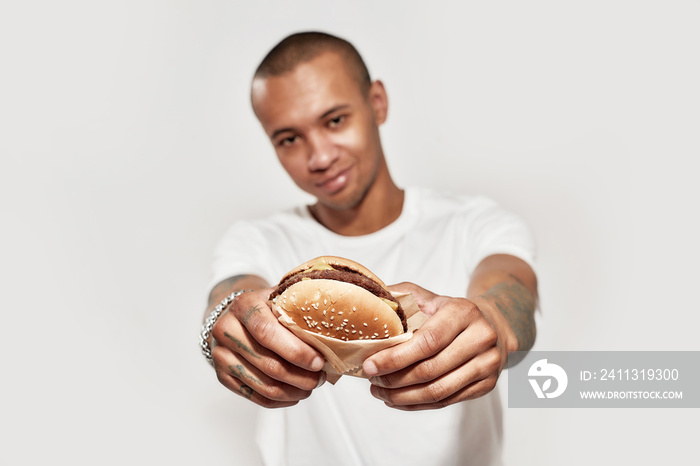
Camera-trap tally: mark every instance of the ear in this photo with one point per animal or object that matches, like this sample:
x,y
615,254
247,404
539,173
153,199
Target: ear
x,y
379,101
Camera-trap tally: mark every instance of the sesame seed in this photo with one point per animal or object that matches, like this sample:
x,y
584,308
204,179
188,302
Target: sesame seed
x,y
332,317
360,332
385,325
376,319
340,313
365,324
354,331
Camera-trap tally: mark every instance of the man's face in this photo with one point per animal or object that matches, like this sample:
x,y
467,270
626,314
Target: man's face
x,y
324,128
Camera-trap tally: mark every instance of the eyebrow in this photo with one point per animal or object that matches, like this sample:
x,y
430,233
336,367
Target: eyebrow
x,y
325,114
333,110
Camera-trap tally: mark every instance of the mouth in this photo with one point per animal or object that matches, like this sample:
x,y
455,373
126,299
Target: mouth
x,y
335,183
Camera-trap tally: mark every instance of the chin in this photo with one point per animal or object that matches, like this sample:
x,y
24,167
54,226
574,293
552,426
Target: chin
x,y
346,199
342,203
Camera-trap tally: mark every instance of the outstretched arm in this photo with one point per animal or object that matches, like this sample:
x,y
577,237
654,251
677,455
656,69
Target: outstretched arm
x,y
459,352
506,288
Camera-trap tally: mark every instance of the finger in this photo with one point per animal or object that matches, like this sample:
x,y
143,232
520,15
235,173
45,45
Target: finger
x,y
419,293
476,378
252,311
232,335
248,393
435,334
476,390
474,340
426,300
236,373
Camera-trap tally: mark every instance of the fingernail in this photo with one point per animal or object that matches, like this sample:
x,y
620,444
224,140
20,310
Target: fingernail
x,y
317,363
369,368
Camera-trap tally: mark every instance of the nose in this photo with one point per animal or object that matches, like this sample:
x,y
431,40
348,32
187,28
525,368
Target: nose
x,y
322,153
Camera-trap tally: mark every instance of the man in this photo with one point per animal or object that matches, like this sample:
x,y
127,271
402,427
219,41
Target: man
x,y
429,400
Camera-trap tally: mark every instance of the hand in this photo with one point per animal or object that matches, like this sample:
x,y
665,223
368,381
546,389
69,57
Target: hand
x,y
456,355
258,358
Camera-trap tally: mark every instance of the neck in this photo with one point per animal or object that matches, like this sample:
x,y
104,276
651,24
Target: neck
x,y
380,207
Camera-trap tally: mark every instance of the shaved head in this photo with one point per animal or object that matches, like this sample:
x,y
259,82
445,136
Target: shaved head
x,y
304,47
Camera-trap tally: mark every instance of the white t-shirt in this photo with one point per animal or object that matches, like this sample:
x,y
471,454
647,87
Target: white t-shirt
x,y
436,243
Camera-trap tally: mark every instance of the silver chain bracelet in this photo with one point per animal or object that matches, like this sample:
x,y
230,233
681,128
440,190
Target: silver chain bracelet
x,y
213,316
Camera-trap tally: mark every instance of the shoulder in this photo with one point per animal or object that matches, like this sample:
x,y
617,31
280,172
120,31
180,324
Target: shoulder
x,y
258,246
475,216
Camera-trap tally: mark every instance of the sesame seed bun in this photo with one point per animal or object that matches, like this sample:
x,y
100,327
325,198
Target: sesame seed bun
x,y
339,298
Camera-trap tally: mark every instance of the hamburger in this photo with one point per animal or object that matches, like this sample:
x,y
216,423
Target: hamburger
x,y
339,298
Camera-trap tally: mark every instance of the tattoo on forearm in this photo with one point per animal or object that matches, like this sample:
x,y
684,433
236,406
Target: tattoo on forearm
x,y
517,305
246,391
239,371
250,312
242,345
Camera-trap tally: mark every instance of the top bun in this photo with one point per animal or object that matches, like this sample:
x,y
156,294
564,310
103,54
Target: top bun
x,y
339,298
335,262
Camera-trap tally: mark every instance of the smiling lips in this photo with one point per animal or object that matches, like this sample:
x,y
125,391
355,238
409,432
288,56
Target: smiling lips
x,y
334,184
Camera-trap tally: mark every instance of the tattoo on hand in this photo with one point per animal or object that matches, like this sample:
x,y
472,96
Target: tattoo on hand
x,y
242,345
250,312
239,371
246,391
517,305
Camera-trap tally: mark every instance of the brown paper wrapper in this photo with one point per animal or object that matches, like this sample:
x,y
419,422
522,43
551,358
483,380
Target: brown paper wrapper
x,y
346,357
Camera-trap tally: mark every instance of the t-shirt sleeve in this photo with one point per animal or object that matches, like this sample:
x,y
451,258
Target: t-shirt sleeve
x,y
494,230
241,251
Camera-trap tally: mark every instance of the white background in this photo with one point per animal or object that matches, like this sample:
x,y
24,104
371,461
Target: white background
x,y
128,146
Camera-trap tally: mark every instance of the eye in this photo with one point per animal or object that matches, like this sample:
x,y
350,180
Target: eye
x,y
288,141
337,121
